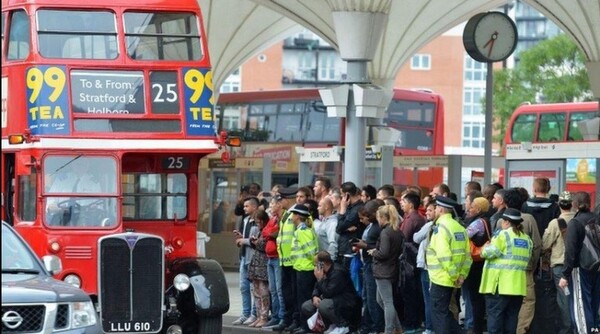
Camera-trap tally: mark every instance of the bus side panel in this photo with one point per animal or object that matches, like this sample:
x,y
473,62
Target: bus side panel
x,y
425,178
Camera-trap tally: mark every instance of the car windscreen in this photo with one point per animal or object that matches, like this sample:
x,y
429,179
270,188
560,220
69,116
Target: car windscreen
x,y
16,257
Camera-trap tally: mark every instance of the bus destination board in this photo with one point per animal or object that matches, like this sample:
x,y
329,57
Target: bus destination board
x,y
107,92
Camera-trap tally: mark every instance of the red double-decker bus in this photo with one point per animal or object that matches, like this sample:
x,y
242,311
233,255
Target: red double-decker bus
x,y
556,124
107,108
413,123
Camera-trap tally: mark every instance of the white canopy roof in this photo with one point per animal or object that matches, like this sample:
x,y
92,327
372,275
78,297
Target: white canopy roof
x,y
239,29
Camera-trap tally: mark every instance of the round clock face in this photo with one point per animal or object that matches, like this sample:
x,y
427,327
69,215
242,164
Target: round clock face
x,y
490,37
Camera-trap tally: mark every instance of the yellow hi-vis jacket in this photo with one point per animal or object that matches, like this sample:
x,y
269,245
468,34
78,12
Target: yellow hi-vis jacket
x,y
448,254
304,248
284,239
506,259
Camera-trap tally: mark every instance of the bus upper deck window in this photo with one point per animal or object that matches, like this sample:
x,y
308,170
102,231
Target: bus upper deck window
x,y
18,43
77,34
162,36
523,128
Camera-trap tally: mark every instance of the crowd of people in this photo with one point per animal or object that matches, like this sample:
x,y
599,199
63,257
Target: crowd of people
x,y
381,261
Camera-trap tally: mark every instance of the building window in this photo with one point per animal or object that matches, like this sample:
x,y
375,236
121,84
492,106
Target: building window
x,y
474,70
306,65
327,66
233,83
473,134
230,86
420,62
472,97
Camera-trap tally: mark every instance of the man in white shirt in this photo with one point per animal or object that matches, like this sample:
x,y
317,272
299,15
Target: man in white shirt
x,y
325,228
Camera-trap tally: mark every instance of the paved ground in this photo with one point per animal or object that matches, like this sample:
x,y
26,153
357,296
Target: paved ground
x,y
235,307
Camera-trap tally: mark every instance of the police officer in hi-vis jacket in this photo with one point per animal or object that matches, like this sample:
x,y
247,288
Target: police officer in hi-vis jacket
x,y
503,281
448,259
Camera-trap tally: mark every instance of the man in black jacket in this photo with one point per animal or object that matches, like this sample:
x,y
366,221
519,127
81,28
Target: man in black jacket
x,y
540,206
334,296
349,226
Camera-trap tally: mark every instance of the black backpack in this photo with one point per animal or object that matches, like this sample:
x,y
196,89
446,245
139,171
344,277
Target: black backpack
x,y
589,257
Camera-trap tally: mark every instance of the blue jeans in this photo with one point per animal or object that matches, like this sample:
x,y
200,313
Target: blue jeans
x,y
426,298
503,313
385,299
245,289
466,295
277,303
372,310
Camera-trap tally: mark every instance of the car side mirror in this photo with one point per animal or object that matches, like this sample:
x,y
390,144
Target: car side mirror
x,y
52,264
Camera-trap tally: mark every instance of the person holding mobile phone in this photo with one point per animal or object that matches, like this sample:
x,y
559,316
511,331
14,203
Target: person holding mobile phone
x,y
373,321
349,225
247,229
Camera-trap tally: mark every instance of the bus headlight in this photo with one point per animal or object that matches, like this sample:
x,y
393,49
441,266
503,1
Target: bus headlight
x,y
181,282
83,314
73,279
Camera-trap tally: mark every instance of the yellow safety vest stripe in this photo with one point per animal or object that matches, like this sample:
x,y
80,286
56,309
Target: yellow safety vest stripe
x,y
284,239
304,248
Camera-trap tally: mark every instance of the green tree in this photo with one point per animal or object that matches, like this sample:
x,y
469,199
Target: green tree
x,y
553,71
510,91
556,69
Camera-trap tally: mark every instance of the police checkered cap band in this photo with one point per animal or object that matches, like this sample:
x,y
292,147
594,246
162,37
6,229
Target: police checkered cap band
x,y
300,209
512,217
445,202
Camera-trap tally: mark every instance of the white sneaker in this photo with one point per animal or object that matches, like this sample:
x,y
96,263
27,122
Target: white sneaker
x,y
331,328
239,320
340,330
249,320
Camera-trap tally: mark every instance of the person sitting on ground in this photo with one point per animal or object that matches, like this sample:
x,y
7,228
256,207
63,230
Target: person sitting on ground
x,y
334,295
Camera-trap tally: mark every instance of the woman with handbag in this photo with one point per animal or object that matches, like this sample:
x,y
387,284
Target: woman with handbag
x,y
478,230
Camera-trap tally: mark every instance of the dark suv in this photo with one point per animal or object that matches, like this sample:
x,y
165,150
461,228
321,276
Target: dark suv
x,y
32,300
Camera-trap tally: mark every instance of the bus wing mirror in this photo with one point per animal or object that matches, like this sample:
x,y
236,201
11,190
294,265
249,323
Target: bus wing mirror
x,y
24,164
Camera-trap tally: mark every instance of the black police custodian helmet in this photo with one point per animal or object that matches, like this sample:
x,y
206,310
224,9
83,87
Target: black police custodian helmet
x,y
512,215
300,209
446,202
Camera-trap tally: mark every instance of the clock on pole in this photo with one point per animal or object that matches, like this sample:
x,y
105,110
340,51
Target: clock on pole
x,y
490,37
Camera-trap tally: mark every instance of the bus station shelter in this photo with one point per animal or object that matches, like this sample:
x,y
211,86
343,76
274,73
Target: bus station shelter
x,y
381,38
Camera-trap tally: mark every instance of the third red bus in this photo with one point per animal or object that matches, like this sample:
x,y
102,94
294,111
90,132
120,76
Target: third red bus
x,y
414,122
561,122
